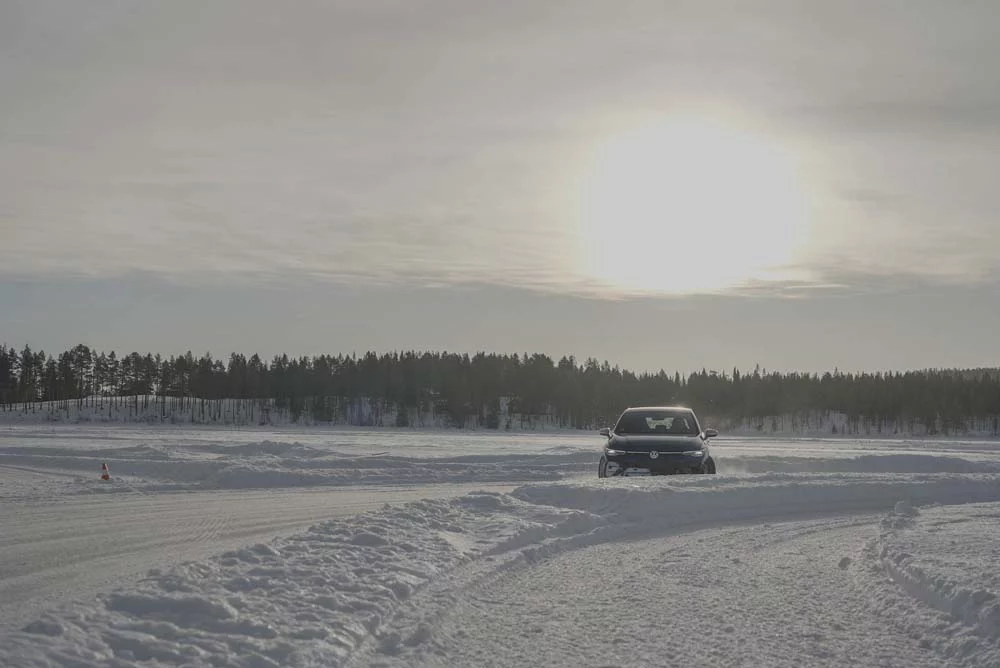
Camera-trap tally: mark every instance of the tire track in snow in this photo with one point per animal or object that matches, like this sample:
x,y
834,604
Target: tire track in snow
x,y
662,510
762,595
937,568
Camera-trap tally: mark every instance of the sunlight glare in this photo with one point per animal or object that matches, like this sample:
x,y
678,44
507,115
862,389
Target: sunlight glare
x,y
689,207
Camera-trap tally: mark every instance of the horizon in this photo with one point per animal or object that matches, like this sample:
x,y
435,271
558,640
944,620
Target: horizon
x,y
675,185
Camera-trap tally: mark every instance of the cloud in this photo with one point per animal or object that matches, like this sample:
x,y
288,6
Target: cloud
x,y
387,143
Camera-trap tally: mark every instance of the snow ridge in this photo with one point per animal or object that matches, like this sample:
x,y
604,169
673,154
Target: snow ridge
x,y
307,600
691,500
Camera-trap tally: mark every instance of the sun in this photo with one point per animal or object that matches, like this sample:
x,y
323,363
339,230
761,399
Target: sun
x,y
687,206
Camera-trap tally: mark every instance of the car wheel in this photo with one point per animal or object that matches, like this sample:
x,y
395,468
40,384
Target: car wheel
x,y
709,466
608,469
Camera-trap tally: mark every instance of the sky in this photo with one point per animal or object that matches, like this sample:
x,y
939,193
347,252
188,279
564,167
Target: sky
x,y
666,184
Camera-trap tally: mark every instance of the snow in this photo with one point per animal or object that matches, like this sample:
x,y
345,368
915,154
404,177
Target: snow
x,y
81,545
310,599
825,423
341,411
801,552
709,597
946,558
165,459
60,460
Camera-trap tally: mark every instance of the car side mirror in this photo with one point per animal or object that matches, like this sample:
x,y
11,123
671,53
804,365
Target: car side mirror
x,y
711,433
605,431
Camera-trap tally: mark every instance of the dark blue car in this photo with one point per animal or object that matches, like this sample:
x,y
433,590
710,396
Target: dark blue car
x,y
658,441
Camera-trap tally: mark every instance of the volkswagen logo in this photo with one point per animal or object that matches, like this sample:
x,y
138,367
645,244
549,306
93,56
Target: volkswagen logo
x,y
653,454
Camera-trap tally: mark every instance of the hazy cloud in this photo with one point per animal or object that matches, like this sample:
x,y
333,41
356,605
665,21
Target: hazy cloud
x,y
440,142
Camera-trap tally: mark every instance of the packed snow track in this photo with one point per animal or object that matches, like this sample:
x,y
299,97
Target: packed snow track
x,y
752,595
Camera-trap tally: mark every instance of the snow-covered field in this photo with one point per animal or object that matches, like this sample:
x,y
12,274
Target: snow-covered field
x,y
308,547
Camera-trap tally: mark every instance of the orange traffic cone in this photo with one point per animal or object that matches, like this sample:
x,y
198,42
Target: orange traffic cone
x,y
105,472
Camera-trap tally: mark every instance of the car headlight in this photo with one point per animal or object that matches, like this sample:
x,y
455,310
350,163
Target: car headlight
x,y
613,453
694,453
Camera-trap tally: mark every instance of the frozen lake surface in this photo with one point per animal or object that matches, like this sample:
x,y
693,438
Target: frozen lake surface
x,y
315,547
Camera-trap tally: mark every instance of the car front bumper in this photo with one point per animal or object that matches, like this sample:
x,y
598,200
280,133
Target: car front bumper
x,y
666,463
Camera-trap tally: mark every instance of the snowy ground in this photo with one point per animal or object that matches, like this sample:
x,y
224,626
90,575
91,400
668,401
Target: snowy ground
x,y
81,546
46,462
807,552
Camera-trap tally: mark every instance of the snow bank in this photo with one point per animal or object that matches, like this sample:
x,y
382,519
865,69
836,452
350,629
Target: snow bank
x,y
875,463
827,423
343,411
318,598
368,412
309,600
687,500
270,464
394,470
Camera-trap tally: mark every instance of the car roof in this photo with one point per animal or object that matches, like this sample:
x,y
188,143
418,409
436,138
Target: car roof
x,y
658,408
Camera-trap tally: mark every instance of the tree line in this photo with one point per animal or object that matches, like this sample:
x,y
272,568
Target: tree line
x,y
574,393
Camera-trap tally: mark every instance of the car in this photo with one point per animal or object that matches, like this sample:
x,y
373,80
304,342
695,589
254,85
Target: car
x,y
657,440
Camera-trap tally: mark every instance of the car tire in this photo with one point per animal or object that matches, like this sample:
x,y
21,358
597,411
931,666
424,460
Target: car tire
x,y
602,468
709,466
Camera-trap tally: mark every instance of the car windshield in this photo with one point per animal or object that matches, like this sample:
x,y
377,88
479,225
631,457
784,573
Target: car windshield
x,y
671,423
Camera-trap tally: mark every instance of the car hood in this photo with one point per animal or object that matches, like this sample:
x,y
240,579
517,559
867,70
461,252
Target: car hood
x,y
643,443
